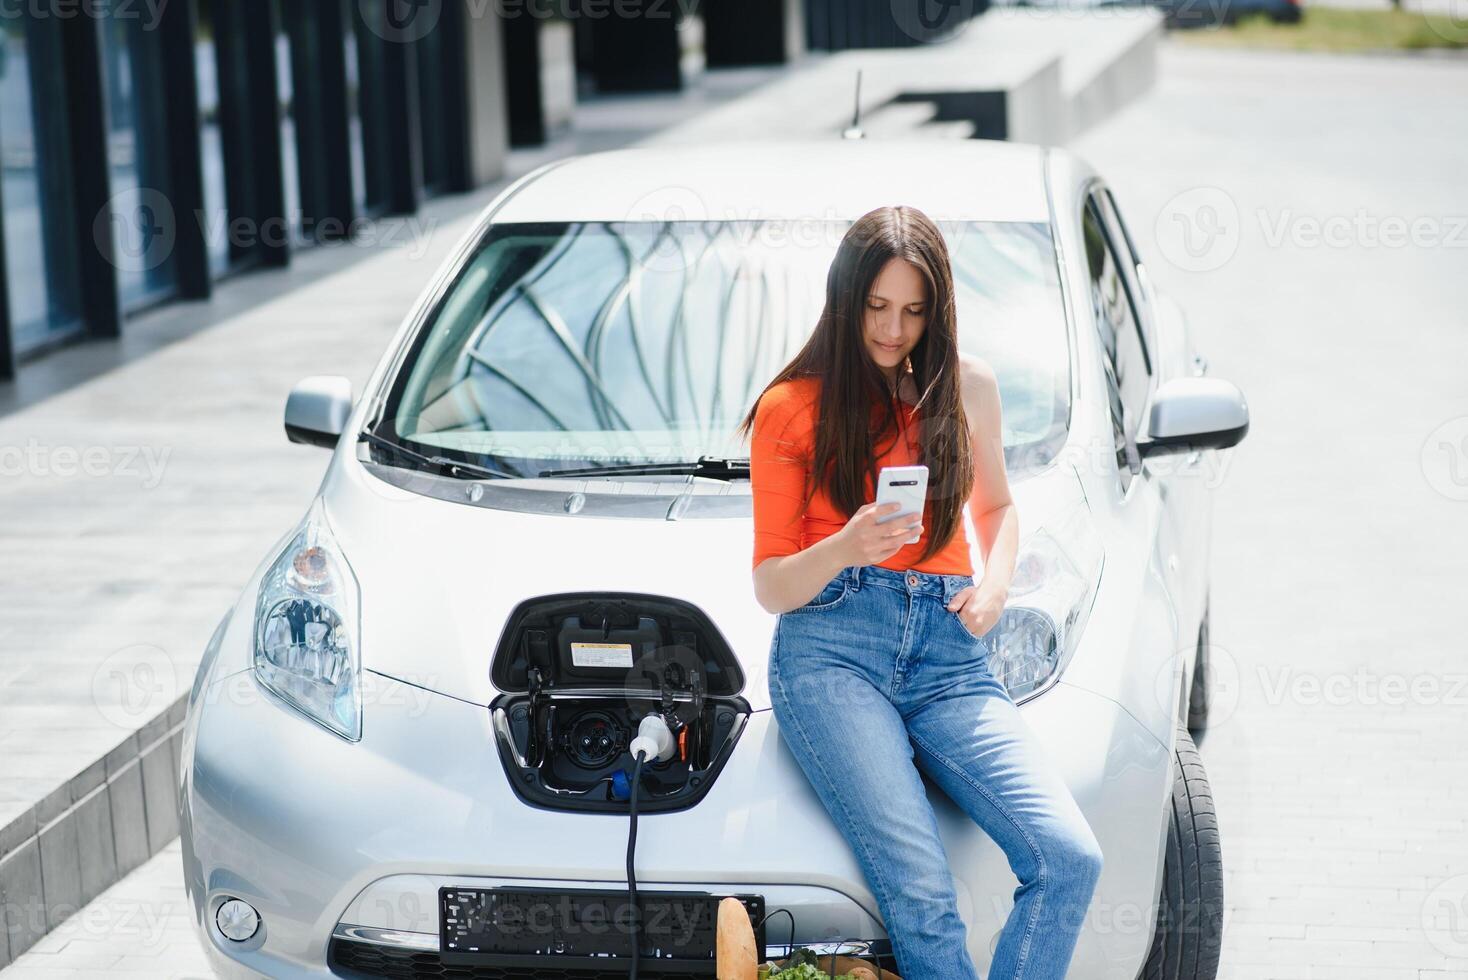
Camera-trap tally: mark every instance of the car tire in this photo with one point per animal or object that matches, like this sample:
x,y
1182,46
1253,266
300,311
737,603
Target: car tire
x,y
1198,694
1189,933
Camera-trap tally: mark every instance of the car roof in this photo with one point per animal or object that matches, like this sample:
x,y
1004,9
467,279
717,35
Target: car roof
x,y
984,180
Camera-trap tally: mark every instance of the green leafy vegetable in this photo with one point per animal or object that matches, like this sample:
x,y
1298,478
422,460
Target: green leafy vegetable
x,y
805,965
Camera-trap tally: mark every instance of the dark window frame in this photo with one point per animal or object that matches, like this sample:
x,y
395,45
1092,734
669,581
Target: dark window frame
x,y
1126,420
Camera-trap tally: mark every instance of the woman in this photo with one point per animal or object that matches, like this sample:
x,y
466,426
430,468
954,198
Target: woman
x,y
876,667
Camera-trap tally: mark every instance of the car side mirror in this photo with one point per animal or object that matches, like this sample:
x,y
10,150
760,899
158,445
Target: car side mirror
x,y
1190,414
316,411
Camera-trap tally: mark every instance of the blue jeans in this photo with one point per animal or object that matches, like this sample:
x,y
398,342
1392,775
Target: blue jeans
x,y
873,678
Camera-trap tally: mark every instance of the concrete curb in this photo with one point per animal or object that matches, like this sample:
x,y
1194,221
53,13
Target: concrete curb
x,y
88,834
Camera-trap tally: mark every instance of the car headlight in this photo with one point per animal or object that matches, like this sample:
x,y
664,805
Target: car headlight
x,y
306,629
1056,573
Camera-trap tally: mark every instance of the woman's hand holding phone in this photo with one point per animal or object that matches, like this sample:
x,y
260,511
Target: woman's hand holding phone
x,y
865,542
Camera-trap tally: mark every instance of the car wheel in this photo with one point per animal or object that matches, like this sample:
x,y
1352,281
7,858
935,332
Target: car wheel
x,y
1198,695
1189,932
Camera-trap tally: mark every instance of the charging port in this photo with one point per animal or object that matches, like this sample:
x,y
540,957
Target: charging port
x,y
579,672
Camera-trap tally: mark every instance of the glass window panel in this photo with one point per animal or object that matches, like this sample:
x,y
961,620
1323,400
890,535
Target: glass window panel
x,y
649,340
430,108
137,156
354,111
211,140
289,151
40,252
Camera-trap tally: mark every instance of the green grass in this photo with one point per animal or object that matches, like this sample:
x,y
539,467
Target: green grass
x,y
1336,29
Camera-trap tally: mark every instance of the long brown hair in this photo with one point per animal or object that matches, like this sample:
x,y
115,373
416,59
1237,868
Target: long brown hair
x,y
852,385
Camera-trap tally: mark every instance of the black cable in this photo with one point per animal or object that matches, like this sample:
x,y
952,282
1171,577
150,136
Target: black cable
x,y
631,876
769,913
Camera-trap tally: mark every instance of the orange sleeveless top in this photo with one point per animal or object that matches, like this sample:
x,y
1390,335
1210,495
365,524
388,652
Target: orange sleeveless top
x,y
782,442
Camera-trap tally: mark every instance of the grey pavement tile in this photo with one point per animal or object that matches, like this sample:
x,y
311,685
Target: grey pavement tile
x,y
121,754
17,824
153,730
53,805
22,894
88,779
129,818
61,872
160,795
96,846
4,935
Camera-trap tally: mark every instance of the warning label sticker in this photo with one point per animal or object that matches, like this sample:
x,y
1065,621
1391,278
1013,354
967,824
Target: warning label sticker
x,y
601,654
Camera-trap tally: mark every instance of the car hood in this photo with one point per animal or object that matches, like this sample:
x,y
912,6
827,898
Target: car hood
x,y
439,578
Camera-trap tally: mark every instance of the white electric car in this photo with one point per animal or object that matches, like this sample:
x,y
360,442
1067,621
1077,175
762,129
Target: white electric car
x,y
407,745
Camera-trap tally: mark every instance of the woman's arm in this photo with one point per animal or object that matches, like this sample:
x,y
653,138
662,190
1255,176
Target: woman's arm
x,y
786,575
785,581
990,505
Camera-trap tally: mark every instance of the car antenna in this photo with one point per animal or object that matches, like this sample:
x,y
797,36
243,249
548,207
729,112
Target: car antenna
x,y
854,131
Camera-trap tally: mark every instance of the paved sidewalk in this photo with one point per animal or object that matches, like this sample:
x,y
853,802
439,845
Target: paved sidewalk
x,y
138,929
142,490
1263,187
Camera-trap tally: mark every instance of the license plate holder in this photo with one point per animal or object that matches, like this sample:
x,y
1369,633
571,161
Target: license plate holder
x,y
536,926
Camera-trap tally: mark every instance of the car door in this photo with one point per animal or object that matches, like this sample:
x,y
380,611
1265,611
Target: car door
x,y
1182,480
1130,369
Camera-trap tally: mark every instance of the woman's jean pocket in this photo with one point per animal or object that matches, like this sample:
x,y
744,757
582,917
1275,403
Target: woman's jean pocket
x,y
832,594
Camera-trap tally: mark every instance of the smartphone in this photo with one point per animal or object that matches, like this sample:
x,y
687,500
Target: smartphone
x,y
908,485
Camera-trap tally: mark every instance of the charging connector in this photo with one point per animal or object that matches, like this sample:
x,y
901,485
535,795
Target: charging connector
x,y
654,741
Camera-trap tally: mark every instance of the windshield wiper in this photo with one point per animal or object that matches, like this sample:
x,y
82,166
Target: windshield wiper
x,y
450,467
713,467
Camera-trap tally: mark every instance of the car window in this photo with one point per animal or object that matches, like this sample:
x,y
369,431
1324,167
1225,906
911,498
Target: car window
x,y
1135,273
1116,321
647,341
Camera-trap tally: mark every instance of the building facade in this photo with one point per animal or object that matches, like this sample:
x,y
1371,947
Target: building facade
x,y
151,148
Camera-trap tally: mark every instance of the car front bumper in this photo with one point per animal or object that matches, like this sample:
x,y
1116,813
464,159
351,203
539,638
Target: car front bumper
x,y
353,840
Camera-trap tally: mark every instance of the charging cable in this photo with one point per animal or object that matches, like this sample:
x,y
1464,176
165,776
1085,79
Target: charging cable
x,y
654,740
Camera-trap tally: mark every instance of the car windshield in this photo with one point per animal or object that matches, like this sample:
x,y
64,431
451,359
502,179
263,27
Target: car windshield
x,y
576,344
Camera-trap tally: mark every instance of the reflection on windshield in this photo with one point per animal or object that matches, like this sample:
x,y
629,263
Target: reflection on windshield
x,y
648,341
